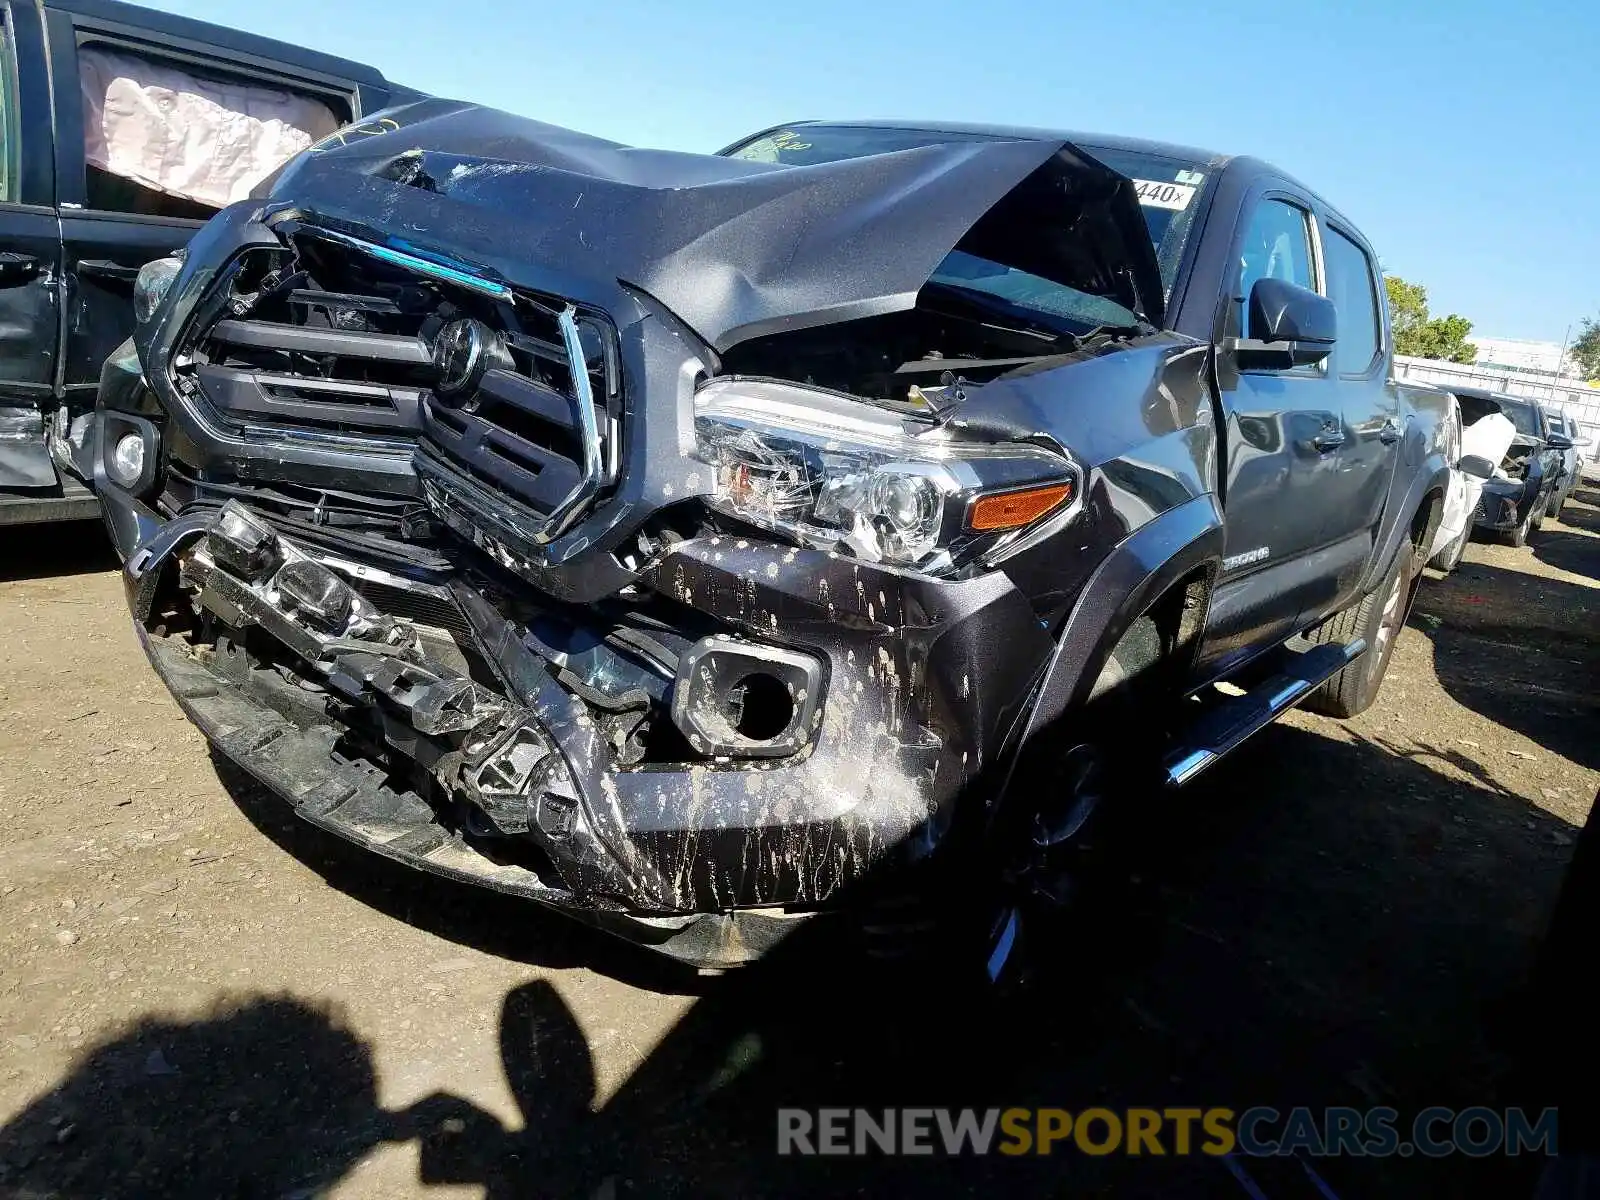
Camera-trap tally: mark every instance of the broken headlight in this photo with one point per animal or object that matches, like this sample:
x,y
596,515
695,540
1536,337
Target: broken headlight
x,y
151,285
840,474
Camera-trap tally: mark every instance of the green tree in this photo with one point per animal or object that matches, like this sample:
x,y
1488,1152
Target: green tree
x,y
1421,336
1585,349
1408,311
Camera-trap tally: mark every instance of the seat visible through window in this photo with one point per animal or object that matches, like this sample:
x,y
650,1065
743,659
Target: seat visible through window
x,y
1277,245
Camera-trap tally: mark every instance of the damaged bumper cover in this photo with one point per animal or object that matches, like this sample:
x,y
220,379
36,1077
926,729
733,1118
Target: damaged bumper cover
x,y
832,721
1502,504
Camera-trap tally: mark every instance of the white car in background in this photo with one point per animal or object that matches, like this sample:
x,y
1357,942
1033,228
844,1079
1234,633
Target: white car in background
x,y
1474,452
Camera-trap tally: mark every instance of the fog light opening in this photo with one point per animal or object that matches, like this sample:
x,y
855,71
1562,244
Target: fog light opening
x,y
127,460
759,707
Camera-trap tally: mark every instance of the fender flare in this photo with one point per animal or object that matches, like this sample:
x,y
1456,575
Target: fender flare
x,y
1165,550
1433,474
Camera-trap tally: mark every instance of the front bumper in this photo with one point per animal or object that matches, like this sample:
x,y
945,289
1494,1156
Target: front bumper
x,y
1502,506
710,860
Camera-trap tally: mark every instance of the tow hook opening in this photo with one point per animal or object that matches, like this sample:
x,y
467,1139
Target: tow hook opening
x,y
739,699
760,707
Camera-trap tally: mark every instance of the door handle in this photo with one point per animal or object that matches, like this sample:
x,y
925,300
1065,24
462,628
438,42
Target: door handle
x,y
1327,439
16,268
1390,433
104,268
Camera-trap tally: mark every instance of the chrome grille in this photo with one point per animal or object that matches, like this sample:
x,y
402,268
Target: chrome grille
x,y
524,434
335,336
317,343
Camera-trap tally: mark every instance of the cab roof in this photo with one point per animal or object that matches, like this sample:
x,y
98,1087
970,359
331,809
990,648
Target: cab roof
x,y
1211,159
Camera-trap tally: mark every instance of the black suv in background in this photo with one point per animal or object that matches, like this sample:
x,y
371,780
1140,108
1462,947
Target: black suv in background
x,y
82,209
1516,499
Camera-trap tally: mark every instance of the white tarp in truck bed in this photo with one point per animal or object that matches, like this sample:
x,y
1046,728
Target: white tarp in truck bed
x,y
202,138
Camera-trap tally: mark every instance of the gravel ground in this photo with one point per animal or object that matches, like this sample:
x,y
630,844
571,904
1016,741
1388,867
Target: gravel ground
x,y
199,996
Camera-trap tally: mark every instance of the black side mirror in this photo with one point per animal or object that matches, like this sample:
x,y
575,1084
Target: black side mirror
x,y
1476,465
1558,441
1290,326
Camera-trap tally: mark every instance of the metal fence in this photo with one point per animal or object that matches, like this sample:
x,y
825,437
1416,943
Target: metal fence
x,y
1578,400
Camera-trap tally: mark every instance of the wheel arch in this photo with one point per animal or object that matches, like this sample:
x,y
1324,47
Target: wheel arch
x,y
1424,501
1171,564
1425,521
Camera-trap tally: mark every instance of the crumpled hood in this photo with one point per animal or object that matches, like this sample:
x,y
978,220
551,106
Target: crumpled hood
x,y
735,249
1489,437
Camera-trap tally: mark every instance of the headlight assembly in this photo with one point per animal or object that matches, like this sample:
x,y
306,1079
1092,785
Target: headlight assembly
x,y
151,284
839,474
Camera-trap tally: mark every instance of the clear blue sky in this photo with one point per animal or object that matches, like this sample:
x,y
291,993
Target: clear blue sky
x,y
1463,136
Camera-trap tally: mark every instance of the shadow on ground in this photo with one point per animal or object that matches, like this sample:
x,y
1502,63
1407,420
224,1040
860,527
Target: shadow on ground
x,y
60,548
1577,547
1520,649
505,926
1324,921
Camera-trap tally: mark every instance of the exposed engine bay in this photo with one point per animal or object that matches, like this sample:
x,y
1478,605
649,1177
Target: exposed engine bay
x,y
901,356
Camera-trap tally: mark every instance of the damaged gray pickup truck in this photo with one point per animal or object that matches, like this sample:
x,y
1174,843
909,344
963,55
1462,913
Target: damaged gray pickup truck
x,y
697,544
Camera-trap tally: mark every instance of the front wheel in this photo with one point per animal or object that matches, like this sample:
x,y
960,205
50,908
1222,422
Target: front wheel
x,y
1519,535
1377,618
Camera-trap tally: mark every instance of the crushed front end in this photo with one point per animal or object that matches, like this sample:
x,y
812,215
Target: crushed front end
x,y
668,766
604,593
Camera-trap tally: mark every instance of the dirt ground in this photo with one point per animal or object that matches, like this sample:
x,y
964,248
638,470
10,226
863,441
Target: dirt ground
x,y
200,996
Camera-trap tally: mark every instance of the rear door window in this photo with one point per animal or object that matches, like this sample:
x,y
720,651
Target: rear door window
x,y
173,139
1353,288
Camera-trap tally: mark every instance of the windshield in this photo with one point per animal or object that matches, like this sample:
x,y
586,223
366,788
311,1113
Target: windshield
x,y
1170,189
1522,417
1029,294
807,145
1519,412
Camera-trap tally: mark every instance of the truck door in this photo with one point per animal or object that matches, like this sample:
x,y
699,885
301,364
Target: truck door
x,y
1369,403
149,127
1279,424
30,259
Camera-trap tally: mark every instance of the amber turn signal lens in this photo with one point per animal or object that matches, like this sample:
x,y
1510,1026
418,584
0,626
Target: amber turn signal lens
x,y
1013,510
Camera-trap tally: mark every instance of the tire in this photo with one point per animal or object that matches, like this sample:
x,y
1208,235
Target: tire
x,y
1050,819
1377,617
1449,558
1519,536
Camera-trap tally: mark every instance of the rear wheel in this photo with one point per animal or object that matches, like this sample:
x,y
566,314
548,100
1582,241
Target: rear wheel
x,y
1449,558
1377,618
